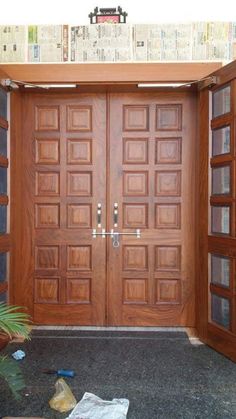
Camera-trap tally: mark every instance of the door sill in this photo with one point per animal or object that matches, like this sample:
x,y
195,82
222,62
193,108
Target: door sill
x,y
113,328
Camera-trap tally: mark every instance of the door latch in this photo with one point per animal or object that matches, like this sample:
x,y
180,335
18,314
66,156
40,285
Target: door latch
x,y
115,235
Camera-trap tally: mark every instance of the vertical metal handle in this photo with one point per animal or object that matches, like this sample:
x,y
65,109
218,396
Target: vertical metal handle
x,y
99,215
115,215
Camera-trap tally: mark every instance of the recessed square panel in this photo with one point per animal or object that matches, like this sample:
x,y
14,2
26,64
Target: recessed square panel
x,y
79,290
47,151
47,216
47,290
79,118
79,216
79,258
135,118
135,291
135,183
169,117
47,118
79,151
168,183
168,150
168,291
47,183
79,183
135,215
168,216
47,257
168,258
135,151
135,258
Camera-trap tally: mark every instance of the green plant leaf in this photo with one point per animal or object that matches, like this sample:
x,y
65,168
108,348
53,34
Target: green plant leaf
x,y
10,371
13,322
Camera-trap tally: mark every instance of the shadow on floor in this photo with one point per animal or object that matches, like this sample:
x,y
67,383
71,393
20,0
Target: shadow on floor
x,y
161,373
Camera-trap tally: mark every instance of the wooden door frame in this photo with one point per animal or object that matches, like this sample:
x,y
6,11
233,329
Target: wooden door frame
x,y
221,341
123,77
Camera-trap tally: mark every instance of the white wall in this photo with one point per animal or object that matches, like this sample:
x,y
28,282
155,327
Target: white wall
x,y
143,11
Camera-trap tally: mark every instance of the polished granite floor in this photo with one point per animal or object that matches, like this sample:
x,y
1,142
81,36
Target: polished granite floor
x,y
161,373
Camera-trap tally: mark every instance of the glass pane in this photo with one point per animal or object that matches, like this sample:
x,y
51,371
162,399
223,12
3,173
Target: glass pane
x,y
220,270
221,180
3,219
221,101
220,310
3,104
220,220
3,267
3,181
221,141
3,297
3,142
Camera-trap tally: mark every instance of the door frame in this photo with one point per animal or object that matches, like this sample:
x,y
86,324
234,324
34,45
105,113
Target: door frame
x,y
124,77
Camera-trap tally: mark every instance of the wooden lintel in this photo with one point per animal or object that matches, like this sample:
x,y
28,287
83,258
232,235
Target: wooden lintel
x,y
110,72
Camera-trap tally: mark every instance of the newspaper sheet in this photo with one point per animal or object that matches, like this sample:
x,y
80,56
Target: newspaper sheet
x,y
212,40
233,41
48,43
162,42
13,44
103,42
118,42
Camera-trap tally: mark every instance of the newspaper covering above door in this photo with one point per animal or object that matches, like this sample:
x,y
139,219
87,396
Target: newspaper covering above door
x,y
198,41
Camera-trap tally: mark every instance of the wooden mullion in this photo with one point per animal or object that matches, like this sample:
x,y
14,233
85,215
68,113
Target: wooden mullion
x,y
221,159
3,287
221,291
3,123
221,121
221,200
3,161
4,200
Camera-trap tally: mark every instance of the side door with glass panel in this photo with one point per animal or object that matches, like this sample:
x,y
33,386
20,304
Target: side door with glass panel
x,y
4,236
217,282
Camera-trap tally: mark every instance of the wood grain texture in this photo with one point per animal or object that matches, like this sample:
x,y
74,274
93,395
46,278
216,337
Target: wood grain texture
x,y
151,279
105,72
5,239
202,216
64,174
63,266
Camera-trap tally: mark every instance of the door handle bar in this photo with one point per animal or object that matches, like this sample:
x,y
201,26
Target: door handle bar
x,y
99,214
113,233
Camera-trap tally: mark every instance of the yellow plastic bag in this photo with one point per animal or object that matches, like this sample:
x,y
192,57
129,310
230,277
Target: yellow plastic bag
x,y
63,400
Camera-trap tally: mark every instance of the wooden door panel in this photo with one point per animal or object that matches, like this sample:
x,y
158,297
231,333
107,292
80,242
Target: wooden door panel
x,y
64,173
151,279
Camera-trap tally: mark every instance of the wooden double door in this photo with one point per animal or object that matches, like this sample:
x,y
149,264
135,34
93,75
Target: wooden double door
x,y
94,163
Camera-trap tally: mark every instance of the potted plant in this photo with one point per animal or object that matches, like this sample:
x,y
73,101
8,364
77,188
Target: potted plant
x,y
13,323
